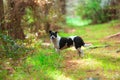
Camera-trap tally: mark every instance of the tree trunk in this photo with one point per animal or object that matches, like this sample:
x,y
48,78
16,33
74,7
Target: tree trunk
x,y
14,27
15,30
118,8
37,15
62,6
1,15
47,23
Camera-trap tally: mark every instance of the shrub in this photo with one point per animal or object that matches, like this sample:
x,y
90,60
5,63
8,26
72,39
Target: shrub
x,y
9,47
91,9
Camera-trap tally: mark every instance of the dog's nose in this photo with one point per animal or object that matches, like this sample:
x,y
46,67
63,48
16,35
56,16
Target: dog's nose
x,y
53,38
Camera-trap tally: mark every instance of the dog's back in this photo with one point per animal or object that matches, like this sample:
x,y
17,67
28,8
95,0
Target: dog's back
x,y
65,43
68,42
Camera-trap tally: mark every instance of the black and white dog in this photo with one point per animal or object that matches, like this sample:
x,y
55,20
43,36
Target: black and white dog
x,y
62,42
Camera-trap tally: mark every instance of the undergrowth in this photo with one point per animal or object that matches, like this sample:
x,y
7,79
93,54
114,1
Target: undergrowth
x,y
43,63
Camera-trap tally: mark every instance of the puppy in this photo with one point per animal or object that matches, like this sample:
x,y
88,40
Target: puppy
x,y
63,43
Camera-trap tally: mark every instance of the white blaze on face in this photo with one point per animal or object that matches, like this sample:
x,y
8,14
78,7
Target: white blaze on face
x,y
52,37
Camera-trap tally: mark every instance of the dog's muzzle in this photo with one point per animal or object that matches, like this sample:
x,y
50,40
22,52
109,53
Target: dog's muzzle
x,y
52,37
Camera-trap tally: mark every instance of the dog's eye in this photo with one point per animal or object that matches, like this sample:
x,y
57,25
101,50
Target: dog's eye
x,y
55,35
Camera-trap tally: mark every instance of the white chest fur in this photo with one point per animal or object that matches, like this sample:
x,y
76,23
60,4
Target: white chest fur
x,y
56,42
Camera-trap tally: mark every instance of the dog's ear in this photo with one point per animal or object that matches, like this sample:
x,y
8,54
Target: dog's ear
x,y
56,32
50,31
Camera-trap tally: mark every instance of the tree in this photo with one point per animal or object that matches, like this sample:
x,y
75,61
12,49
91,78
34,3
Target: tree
x,y
43,12
101,10
14,26
63,6
1,14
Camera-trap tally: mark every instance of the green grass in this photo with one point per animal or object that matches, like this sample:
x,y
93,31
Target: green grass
x,y
45,64
106,62
94,33
96,63
77,21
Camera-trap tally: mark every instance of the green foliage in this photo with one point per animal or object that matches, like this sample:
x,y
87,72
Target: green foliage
x,y
9,47
28,19
91,9
41,65
45,59
89,32
77,21
4,73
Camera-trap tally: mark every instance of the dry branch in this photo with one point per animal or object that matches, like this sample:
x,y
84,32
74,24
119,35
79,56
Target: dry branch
x,y
114,35
98,46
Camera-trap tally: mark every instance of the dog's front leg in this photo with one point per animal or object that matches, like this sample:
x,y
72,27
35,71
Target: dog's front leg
x,y
57,50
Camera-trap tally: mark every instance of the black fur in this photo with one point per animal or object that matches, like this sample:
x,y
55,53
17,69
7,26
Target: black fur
x,y
53,33
78,42
64,41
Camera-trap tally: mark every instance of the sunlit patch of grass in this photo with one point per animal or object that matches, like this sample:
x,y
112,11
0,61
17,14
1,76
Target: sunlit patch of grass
x,y
102,63
44,60
63,34
77,21
40,65
58,75
112,75
108,61
19,75
48,61
95,33
77,74
88,63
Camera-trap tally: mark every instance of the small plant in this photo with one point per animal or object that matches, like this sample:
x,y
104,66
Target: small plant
x,y
9,47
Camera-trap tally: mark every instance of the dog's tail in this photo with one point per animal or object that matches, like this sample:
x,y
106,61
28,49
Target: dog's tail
x,y
87,44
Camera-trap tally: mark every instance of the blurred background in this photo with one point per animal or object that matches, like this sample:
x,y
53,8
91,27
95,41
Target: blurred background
x,y
18,18
25,49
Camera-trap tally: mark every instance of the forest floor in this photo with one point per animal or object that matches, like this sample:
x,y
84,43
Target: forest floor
x,y
101,60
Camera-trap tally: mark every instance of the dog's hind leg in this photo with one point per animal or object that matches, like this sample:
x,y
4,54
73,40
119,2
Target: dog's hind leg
x,y
80,52
78,42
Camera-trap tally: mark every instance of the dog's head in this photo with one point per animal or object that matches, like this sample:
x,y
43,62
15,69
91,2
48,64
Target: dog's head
x,y
53,35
